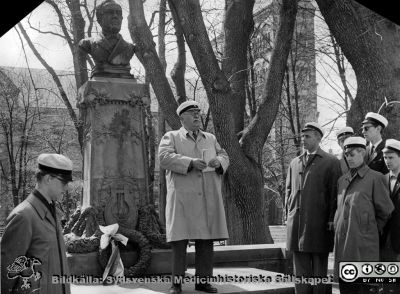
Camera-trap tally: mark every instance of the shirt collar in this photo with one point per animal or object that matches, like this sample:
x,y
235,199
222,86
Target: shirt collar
x,y
186,132
391,174
377,143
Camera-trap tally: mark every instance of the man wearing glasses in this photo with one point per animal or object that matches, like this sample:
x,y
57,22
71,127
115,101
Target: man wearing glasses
x,y
194,209
32,247
372,128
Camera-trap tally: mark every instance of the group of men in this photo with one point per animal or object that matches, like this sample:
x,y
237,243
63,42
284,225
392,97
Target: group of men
x,y
349,205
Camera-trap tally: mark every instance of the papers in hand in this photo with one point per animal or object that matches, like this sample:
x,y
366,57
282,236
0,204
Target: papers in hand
x,y
207,155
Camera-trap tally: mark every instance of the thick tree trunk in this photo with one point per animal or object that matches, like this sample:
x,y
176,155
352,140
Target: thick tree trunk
x,y
238,26
162,184
372,46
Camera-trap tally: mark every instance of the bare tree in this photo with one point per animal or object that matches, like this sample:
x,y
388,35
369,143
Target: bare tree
x,y
369,42
243,187
18,115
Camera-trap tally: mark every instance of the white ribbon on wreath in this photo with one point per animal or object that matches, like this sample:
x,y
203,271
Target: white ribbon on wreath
x,y
114,267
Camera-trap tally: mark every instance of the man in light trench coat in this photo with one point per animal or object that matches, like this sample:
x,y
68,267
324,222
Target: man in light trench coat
x,y
311,187
363,208
194,210
32,247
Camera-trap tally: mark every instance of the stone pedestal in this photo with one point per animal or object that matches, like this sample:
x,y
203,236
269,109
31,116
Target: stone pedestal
x,y
115,165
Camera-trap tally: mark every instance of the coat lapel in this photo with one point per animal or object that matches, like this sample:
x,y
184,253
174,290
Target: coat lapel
x,y
41,209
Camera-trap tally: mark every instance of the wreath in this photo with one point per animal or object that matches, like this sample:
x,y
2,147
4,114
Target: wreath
x,y
144,255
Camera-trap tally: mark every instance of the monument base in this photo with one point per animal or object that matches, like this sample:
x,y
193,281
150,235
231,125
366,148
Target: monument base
x,y
263,256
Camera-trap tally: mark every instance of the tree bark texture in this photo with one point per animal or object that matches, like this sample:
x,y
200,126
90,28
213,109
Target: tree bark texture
x,y
78,33
238,26
371,44
178,71
147,54
162,184
255,135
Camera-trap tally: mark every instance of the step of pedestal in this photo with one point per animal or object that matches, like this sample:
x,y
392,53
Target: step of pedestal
x,y
263,256
240,273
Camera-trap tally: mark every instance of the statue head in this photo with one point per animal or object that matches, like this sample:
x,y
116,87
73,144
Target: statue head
x,y
109,16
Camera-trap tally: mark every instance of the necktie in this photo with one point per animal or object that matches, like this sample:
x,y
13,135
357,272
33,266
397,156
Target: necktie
x,y
353,171
393,182
53,209
194,135
372,150
309,158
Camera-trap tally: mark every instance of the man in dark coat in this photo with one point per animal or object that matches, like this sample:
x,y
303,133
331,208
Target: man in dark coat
x,y
363,209
342,135
310,207
32,247
372,128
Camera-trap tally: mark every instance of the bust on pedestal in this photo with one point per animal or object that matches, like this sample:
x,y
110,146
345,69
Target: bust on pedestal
x,y
110,52
115,188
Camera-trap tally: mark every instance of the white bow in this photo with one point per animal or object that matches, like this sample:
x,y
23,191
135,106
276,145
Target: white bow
x,y
110,232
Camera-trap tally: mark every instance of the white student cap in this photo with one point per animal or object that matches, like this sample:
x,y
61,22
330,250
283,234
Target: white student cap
x,y
375,118
352,142
313,126
345,131
186,106
391,145
56,164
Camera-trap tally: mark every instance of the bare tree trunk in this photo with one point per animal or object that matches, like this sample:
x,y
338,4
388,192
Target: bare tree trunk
x,y
78,33
238,26
146,52
178,71
371,44
162,187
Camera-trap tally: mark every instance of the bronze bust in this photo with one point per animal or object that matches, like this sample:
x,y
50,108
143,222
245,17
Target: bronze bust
x,y
110,52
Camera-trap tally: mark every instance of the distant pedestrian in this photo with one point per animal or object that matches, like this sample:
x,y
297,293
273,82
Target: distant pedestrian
x,y
311,190
32,247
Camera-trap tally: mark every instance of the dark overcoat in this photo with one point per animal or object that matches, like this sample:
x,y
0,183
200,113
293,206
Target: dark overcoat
x,y
311,191
363,208
375,161
391,247
31,231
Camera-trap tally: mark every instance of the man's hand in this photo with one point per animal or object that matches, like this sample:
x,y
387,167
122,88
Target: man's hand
x,y
214,163
199,164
